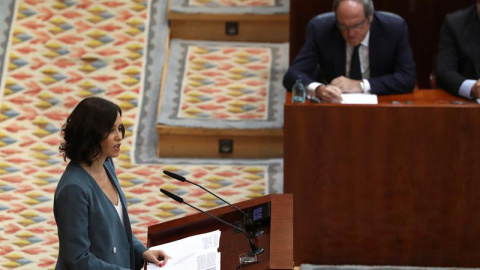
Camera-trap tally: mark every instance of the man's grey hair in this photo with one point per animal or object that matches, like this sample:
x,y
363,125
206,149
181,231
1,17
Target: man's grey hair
x,y
367,6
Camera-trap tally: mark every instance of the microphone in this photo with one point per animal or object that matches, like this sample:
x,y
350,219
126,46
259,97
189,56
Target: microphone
x,y
255,232
255,250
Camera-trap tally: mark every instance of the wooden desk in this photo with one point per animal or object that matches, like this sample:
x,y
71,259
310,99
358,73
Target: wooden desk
x,y
386,184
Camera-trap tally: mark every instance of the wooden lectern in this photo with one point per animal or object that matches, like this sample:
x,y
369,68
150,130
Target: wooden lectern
x,y
274,212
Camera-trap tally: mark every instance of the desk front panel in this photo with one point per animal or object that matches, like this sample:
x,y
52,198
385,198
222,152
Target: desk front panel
x,y
387,184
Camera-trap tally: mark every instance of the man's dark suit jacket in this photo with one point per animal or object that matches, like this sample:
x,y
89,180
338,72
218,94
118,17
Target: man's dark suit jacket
x,y
458,57
323,56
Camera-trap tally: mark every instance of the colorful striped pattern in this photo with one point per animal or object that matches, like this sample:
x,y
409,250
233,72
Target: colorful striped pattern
x,y
59,52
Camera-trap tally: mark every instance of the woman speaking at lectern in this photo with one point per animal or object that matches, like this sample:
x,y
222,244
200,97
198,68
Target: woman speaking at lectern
x,y
89,206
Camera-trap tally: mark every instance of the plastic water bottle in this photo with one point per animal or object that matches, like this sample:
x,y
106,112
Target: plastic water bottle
x,y
298,92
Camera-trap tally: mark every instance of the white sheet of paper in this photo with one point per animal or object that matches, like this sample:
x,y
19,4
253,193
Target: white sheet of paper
x,y
478,100
358,98
196,252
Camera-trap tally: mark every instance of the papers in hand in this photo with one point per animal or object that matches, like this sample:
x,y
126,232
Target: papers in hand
x,y
199,252
357,98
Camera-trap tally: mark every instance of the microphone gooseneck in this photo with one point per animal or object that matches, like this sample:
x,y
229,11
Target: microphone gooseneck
x,y
179,199
255,232
176,176
171,195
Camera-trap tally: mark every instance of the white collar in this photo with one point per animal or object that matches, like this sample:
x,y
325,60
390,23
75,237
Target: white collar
x,y
366,40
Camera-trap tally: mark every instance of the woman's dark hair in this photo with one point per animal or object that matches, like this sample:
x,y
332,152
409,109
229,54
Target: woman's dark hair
x,y
86,127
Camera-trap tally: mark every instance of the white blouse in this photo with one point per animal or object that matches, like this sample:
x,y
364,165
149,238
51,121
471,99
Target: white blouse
x,y
119,209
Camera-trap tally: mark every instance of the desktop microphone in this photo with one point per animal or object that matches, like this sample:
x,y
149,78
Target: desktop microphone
x,y
256,232
255,250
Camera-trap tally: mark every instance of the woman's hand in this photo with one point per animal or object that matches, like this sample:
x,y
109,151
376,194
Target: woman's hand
x,y
157,257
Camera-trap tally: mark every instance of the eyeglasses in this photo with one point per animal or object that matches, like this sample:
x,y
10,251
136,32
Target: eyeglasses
x,y
353,27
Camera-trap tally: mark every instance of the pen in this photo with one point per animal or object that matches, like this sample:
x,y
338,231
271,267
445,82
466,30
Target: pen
x,y
316,99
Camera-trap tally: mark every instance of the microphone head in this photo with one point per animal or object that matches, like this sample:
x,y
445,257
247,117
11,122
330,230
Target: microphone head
x,y
176,176
171,195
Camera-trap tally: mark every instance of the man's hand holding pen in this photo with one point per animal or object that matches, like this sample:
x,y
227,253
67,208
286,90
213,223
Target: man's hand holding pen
x,y
476,89
333,92
329,93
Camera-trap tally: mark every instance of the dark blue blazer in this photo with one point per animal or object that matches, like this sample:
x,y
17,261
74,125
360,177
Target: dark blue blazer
x,y
90,233
323,56
458,57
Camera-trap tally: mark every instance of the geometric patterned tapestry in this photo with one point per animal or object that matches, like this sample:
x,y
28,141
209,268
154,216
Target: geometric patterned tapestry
x,y
202,95
232,3
231,6
236,84
53,54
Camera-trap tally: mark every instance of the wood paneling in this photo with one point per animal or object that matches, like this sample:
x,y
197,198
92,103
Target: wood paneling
x,y
252,28
204,142
388,184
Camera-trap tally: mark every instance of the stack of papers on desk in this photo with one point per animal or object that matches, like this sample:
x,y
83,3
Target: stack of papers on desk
x,y
356,98
199,252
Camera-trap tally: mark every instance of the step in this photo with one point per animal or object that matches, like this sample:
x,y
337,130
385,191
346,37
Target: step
x,y
185,142
230,27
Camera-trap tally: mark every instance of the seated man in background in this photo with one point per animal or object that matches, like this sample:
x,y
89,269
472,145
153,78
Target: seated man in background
x,y
458,58
354,49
